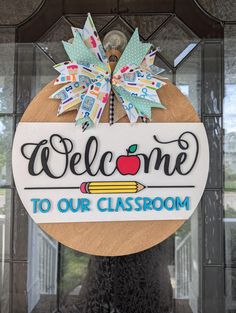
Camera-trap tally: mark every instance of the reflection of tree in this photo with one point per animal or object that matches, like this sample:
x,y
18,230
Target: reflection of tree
x,y
74,265
233,281
184,230
230,212
5,148
230,161
2,195
230,177
5,136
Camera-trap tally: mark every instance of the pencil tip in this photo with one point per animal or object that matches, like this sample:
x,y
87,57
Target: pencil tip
x,y
140,186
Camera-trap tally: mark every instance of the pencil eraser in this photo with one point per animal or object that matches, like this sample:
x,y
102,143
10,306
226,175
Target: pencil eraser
x,y
83,188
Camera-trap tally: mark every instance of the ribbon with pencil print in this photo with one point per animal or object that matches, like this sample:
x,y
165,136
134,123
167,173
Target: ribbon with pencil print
x,y
89,78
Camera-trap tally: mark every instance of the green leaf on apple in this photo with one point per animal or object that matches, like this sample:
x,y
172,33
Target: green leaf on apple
x,y
132,148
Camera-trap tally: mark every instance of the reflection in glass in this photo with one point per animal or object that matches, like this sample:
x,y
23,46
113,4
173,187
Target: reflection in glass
x,y
5,150
117,24
146,24
175,40
188,79
51,42
44,70
4,287
212,204
25,75
168,72
230,109
99,20
223,10
230,166
230,232
5,221
186,273
230,279
230,137
73,270
7,53
214,134
42,270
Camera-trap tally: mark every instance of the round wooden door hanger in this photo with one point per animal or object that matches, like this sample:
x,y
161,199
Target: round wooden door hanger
x,y
115,229
131,171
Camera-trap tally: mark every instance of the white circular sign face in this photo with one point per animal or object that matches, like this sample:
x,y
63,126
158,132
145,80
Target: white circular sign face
x,y
120,173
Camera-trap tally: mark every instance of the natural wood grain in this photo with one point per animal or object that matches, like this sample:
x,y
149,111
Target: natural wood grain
x,y
113,238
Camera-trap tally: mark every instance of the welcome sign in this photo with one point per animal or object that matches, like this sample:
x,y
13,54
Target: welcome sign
x,y
146,171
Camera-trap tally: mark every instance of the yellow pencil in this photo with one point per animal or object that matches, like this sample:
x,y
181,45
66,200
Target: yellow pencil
x,y
111,187
135,89
94,111
146,81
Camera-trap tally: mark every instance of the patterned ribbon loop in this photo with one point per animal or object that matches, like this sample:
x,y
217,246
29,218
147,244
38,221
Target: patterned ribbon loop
x,y
89,80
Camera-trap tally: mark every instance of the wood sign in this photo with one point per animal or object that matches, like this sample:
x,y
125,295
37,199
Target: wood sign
x,y
156,193
110,158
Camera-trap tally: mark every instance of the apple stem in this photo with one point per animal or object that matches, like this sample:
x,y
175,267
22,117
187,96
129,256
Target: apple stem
x,y
127,150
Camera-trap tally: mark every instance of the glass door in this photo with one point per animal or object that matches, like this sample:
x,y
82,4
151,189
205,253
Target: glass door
x,y
192,271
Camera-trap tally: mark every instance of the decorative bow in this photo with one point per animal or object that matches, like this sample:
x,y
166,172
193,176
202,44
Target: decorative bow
x,y
89,78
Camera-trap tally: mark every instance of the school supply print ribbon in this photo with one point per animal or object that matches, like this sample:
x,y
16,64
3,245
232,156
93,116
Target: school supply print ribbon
x,y
89,79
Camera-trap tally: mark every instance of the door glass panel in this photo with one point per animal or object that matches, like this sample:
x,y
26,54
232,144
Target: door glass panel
x,y
212,64
186,269
225,10
174,276
4,287
188,78
7,54
99,21
5,223
214,134
168,73
175,40
117,24
147,24
44,72
51,42
97,283
12,14
230,167
25,76
6,127
73,271
41,270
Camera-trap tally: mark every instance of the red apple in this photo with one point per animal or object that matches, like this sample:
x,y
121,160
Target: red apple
x,y
128,164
